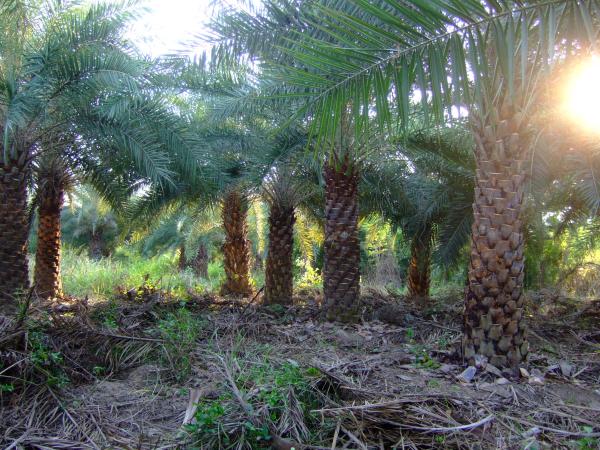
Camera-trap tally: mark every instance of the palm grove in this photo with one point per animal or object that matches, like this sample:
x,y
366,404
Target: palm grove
x,y
414,110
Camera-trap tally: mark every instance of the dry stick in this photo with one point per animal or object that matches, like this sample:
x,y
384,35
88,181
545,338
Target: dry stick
x,y
251,301
16,442
335,434
555,430
468,426
133,338
583,341
354,439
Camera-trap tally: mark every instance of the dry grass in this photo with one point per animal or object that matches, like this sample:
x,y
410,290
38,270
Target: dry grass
x,y
277,377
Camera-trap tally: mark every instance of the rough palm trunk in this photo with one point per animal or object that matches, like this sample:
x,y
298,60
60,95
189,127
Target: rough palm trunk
x,y
200,262
47,255
14,276
341,269
278,274
182,262
493,319
236,249
419,268
95,246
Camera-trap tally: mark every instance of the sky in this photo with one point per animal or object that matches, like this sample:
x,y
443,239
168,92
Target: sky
x,y
168,23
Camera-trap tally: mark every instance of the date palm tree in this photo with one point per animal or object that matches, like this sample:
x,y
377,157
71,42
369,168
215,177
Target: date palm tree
x,y
488,56
52,180
89,223
51,57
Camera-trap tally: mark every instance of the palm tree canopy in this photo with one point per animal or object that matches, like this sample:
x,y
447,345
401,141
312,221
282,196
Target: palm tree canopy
x,y
373,57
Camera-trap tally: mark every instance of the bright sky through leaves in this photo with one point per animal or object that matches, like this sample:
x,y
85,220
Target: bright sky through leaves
x,y
168,25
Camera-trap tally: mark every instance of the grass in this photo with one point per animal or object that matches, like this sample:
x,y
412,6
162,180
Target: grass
x,y
180,330
100,279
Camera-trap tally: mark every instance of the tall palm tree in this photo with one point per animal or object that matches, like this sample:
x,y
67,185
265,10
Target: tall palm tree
x,y
486,55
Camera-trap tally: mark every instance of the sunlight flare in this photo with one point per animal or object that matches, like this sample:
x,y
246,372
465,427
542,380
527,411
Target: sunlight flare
x,y
583,95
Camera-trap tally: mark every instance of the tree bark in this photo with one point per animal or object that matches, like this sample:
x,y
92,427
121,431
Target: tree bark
x,y
200,262
47,255
95,247
182,262
236,249
14,228
279,279
493,318
419,268
341,269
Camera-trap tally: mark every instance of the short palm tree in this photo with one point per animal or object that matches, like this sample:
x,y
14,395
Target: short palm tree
x,y
89,223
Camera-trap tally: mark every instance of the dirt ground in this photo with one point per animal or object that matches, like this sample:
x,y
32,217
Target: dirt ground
x,y
392,381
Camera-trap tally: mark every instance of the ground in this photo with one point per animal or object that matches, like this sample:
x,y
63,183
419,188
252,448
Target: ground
x,y
129,373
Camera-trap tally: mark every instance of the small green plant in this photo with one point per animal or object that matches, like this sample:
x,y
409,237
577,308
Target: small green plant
x,y
422,358
45,361
587,443
108,314
433,384
99,370
275,389
179,330
6,387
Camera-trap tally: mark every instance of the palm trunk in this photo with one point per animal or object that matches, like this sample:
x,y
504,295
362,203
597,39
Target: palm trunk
x,y
14,228
47,256
493,324
279,279
182,263
341,269
236,249
200,263
95,246
419,268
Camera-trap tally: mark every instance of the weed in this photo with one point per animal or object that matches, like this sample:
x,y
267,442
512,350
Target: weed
x,y
433,384
6,387
180,330
285,393
422,358
45,361
587,443
99,370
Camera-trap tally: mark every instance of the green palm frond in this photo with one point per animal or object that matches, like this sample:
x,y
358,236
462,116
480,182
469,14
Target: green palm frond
x,y
372,57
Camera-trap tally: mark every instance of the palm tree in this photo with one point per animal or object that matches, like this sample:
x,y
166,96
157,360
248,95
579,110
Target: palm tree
x,y
52,179
188,229
89,223
48,66
486,55
236,248
284,190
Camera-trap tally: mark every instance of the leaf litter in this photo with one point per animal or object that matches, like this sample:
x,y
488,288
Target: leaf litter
x,y
274,377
